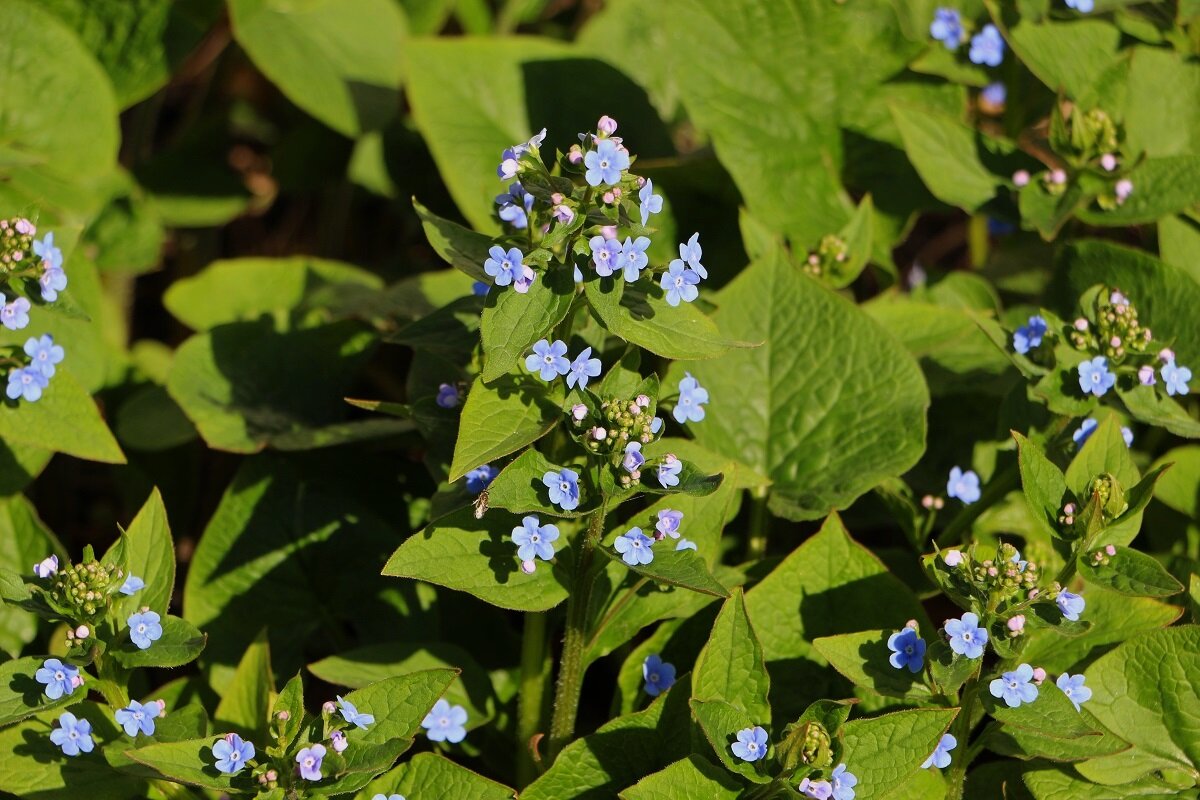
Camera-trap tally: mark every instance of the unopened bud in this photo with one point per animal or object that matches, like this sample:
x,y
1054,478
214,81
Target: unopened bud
x,y
578,412
1020,178
328,707
1166,354
1039,675
953,558
528,566
1081,324
599,434
1016,624
1058,177
83,632
1110,549
1108,161
283,716
607,125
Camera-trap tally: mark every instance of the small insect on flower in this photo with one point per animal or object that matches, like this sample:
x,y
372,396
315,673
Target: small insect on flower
x,y
963,485
309,760
658,675
605,164
635,547
564,488
445,723
1030,335
132,585
966,637
669,471
352,715
73,735
908,650
843,783
1175,378
136,718
534,540
1094,377
1071,605
1072,686
751,744
583,368
940,757
692,397
668,523
231,753
46,567
679,283
649,202
58,677
1015,687
548,359
145,628
987,47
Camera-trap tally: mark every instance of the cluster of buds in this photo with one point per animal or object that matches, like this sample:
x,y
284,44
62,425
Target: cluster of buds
x,y
805,745
831,252
1067,517
1103,556
1107,492
269,779
1093,134
85,589
933,503
1054,181
1117,331
77,637
16,242
1006,573
620,423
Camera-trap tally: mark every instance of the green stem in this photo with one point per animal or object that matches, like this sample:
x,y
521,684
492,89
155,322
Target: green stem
x,y
571,666
534,674
760,523
956,775
616,608
977,240
109,684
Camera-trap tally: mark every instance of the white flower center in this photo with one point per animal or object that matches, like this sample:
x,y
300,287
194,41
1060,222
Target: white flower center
x,y
1013,684
444,722
966,636
73,735
564,486
141,628
752,747
535,538
59,676
604,163
235,756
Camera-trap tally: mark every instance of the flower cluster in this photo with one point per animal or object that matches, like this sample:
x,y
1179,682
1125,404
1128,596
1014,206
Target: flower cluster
x,y
80,592
26,263
549,361
1085,144
752,744
829,255
987,46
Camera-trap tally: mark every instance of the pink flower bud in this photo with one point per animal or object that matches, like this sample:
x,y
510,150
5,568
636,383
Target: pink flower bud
x,y
599,434
642,400
993,572
1058,176
575,154
640,181
557,198
1123,189
1166,354
1032,593
283,716
337,740
607,125
938,503
927,501
609,231
271,776
76,681
1081,324
1016,624
328,707
83,632
1115,341
162,706
1039,675
25,227
578,411
952,557
609,198
528,566
1110,549
1020,178
1146,375
912,623
1069,508
1108,161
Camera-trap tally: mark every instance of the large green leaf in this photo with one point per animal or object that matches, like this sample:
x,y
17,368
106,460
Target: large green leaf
x,y
828,407
24,541
730,668
462,248
886,750
691,778
191,762
947,153
1063,784
500,419
431,775
65,420
676,568
180,643
1130,572
149,555
246,701
1044,485
21,696
1092,44
1162,106
512,321
339,60
863,658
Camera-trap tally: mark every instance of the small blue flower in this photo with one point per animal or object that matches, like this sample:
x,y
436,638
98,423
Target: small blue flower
x,y
382,796
506,268
691,253
15,315
445,723
947,27
44,353
509,158
1070,604
987,47
963,485
816,790
634,258
548,360
47,252
966,637
656,425
607,255
232,753
352,715
310,759
941,754
1127,435
668,523
692,397
605,163
564,488
59,678
136,718
1015,687
1020,562
534,539
843,783
583,368
27,382
1082,6
480,478
52,281
679,283
479,289
1084,431
658,675
447,396
515,205
908,650
145,628
751,744
1094,376
1029,335
634,547
994,94
1072,686
686,544
1175,378
650,203
669,471
73,735
633,460
46,567
132,585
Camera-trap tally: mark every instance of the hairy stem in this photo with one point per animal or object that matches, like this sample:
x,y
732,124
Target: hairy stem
x,y
956,775
760,524
534,675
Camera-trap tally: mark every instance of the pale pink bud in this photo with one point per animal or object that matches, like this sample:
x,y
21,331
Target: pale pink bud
x,y
609,198
1115,341
912,623
83,632
1016,624
993,572
599,434
1058,176
607,125
640,181
76,681
1020,178
578,411
1069,508
328,707
927,501
609,231
575,154
1146,375
271,776
528,566
1166,354
25,227
557,198
1033,593
337,740
162,706
952,557
938,503
283,716
564,214
1039,675
642,401
1110,549
1081,324
1108,161
1123,189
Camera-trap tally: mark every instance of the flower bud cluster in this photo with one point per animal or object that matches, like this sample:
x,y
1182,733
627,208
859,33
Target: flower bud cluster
x,y
620,422
831,252
1116,331
1007,573
86,589
16,242
806,745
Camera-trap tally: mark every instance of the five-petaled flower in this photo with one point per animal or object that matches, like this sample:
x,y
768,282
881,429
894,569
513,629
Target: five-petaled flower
x,y
27,382
445,723
649,202
987,47
352,715
668,522
564,488
52,281
963,485
583,368
548,359
605,163
73,735
1072,686
751,744
15,315
145,628
309,760
58,677
966,637
1029,335
947,27
816,789
659,675
679,283
44,354
1070,604
507,267
669,470
232,752
635,547
1015,687
633,459
1175,378
1094,377
633,257
534,540
132,585
940,757
137,718
480,478
691,252
692,397
908,650
607,255
50,255
843,783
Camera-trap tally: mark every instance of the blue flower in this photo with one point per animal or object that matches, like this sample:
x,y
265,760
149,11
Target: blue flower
x,y
47,252
1175,378
447,396
232,753
136,718
548,360
310,759
15,315
445,723
1084,431
963,485
46,567
816,790
634,258
668,522
382,796
509,158
515,205
604,164
1020,562
506,268
1015,687
27,382
691,253
966,637
941,754
607,255
633,459
994,94
534,539
1070,604
583,368
52,281
650,203
947,27
1082,6
44,353
669,470
908,650
634,547
352,715
987,47
564,488
479,289
1029,335
656,425
1094,376
686,544
132,585
658,675
73,735
480,478
692,397
59,678
751,744
843,783
679,283
1127,435
145,628
1072,686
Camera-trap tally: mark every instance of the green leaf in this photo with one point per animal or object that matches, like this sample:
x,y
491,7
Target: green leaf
x,y
863,658
1025,743
291,700
691,778
339,60
1092,44
731,667
886,750
24,541
675,568
191,762
1156,74
1149,406
246,701
793,430
1051,714
1130,572
1163,186
946,153
356,767
1179,487
399,704
21,696
513,321
519,487
181,642
431,775
150,555
1062,784
149,420
721,722
1105,451
1044,484
501,419
460,247
477,556
65,420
